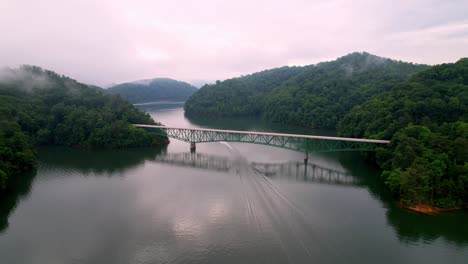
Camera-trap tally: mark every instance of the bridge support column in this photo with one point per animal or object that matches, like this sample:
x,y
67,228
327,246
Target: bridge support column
x,y
297,170
305,170
192,147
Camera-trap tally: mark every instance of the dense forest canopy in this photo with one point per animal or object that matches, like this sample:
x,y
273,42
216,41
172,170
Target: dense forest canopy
x,y
426,118
159,89
422,109
320,96
316,96
40,107
241,96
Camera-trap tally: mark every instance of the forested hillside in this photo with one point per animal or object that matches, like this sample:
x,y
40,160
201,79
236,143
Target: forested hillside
x,y
316,96
427,120
159,89
241,96
40,107
422,109
320,96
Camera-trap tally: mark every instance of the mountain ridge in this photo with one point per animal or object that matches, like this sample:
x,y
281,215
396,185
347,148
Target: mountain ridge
x,y
155,89
316,95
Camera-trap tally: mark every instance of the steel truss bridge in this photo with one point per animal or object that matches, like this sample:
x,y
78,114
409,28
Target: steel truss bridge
x,y
303,143
293,171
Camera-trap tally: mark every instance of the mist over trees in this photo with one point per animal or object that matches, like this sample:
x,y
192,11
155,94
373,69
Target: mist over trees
x,y
159,89
422,109
40,107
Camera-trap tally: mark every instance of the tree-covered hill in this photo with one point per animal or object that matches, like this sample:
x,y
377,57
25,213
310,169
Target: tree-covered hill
x,y
316,96
242,96
320,96
426,118
40,107
159,89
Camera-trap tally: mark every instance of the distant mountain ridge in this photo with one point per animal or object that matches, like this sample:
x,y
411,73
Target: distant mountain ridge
x,y
151,90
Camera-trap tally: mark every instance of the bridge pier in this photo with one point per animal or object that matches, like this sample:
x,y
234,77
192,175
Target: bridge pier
x,y
192,147
305,170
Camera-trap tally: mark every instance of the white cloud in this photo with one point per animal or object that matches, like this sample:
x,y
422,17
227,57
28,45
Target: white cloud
x,y
108,41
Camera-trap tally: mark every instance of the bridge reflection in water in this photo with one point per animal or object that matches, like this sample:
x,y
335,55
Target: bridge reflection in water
x,y
292,170
304,171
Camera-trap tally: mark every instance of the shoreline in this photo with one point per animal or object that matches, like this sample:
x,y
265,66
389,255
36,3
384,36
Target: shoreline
x,y
159,102
430,209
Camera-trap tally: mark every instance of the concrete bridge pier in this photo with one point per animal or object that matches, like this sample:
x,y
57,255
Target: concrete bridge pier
x,y
192,147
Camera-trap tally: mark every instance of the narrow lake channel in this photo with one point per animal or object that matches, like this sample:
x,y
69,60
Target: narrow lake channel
x,y
227,203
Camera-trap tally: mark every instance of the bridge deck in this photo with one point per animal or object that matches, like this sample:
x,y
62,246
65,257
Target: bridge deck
x,y
376,141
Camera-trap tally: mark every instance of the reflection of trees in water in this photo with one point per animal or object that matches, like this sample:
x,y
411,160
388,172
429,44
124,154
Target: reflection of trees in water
x,y
158,106
19,188
99,161
414,227
409,226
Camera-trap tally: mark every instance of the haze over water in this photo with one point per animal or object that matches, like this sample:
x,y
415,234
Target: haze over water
x,y
216,206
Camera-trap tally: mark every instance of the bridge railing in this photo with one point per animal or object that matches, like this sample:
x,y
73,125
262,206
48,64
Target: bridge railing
x,y
303,143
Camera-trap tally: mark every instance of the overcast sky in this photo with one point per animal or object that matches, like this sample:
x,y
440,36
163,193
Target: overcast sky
x,y
113,41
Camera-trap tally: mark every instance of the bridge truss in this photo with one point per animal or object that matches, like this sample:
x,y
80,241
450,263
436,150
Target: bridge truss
x,y
302,143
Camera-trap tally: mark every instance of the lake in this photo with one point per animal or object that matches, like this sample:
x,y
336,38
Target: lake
x,y
226,203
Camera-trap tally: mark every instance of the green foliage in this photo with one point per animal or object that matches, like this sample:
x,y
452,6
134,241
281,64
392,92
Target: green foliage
x,y
16,151
316,96
160,89
427,121
423,111
243,96
41,107
320,96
